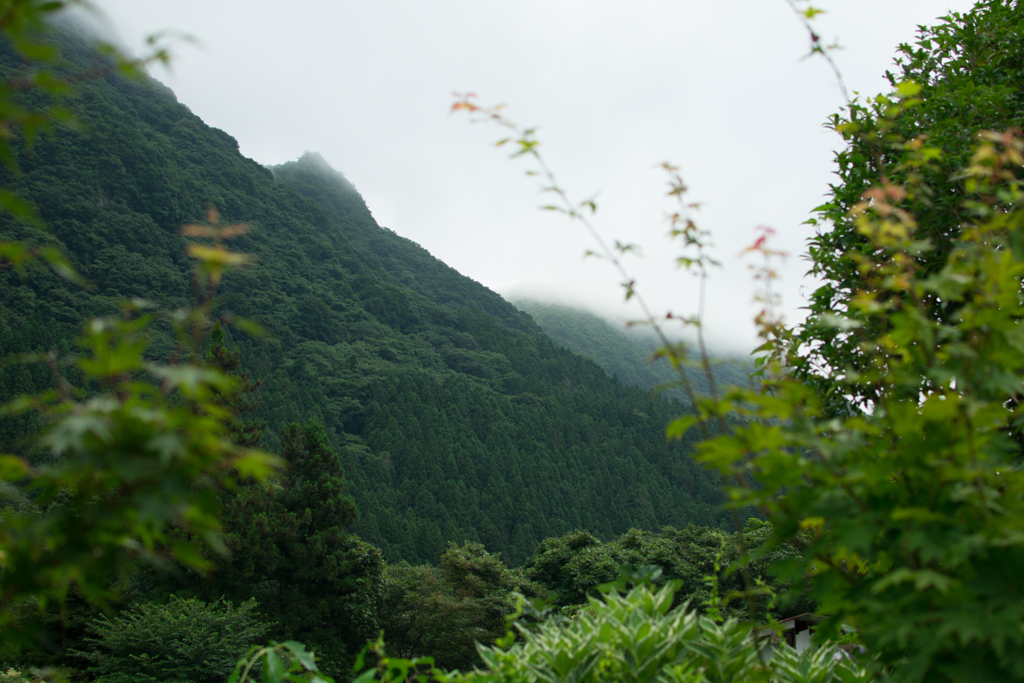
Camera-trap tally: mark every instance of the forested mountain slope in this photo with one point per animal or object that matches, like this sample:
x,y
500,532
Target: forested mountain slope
x,y
454,415
626,354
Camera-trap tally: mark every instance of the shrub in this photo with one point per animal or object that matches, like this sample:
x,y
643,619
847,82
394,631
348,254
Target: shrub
x,y
635,637
184,640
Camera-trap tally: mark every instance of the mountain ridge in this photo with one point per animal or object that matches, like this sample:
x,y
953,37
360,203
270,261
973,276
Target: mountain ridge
x,y
454,417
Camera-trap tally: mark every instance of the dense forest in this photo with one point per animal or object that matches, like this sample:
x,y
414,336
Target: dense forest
x,y
454,416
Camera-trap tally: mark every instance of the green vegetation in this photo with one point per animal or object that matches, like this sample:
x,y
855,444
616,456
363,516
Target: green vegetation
x,y
445,610
575,566
290,549
638,636
897,441
454,417
883,442
183,640
924,153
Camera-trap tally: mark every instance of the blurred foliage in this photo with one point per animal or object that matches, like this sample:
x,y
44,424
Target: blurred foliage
x,y
117,464
122,447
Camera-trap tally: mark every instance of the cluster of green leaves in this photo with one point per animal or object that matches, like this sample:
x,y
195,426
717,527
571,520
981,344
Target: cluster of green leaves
x,y
182,640
957,79
12,675
120,462
887,444
278,662
130,448
639,636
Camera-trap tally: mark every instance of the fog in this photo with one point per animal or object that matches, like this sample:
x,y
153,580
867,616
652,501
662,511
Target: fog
x,y
720,89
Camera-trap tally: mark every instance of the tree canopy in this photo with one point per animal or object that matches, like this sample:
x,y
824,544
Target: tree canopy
x,y
886,445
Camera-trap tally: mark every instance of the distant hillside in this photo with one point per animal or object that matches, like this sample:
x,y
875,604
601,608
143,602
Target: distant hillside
x,y
453,415
625,354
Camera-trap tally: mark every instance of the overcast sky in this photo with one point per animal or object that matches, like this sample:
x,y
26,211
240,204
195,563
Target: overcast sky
x,y
614,88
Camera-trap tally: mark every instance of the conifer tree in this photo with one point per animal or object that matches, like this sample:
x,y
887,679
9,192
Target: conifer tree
x,y
291,549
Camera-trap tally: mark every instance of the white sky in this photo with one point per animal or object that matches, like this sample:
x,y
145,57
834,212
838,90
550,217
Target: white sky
x,y
614,88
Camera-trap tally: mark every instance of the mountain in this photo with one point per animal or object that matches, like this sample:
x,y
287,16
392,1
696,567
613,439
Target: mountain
x,y
454,416
627,354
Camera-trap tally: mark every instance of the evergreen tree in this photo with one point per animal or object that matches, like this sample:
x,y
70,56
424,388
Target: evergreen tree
x,y
291,549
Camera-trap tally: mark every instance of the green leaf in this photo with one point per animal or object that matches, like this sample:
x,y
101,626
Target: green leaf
x,y
12,468
908,89
258,465
237,671
678,427
250,327
273,668
61,265
298,650
18,207
192,380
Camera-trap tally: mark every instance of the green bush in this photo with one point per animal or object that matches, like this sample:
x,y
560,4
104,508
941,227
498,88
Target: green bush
x,y
184,640
637,637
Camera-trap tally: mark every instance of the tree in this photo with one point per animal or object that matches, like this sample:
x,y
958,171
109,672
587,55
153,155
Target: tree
x,y
246,432
290,548
118,469
183,640
966,70
445,611
574,566
885,443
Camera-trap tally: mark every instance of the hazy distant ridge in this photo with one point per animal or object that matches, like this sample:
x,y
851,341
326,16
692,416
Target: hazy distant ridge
x,y
625,353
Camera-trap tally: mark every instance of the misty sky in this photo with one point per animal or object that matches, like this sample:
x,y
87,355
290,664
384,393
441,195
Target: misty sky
x,y
614,88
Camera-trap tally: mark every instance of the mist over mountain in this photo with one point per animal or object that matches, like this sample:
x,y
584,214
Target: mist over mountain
x,y
627,353
454,416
